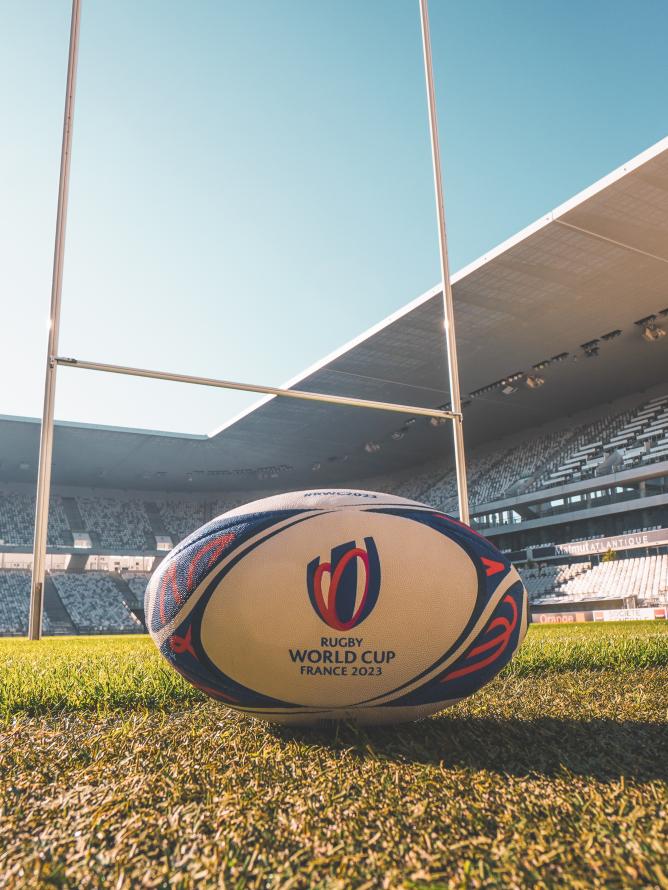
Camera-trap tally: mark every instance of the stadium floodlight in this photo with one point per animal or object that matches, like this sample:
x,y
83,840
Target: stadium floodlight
x,y
54,360
649,330
591,348
652,333
534,381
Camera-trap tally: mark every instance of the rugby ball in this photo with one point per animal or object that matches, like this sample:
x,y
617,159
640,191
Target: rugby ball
x,y
336,605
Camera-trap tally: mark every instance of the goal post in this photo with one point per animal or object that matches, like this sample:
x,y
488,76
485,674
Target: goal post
x,y
46,429
53,360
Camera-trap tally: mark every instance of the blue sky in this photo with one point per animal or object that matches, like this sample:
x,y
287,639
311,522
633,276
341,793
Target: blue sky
x,y
251,181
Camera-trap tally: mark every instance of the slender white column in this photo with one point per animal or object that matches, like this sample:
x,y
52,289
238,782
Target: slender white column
x,y
449,319
46,437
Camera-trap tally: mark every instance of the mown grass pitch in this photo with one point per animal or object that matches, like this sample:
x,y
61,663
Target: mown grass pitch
x,y
114,773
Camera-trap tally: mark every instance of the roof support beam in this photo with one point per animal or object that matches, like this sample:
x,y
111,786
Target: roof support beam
x,y
652,256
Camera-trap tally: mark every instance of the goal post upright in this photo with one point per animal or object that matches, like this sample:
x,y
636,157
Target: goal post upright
x,y
448,310
46,433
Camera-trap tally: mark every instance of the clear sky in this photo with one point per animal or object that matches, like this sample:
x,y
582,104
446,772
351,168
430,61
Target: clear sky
x,y
251,181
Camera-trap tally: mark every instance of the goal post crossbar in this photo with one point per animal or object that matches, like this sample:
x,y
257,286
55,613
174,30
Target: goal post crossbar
x,y
303,395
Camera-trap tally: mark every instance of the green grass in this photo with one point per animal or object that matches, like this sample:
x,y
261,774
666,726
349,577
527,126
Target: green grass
x,y
114,773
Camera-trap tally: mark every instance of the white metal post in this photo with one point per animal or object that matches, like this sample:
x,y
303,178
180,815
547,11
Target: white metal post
x,y
46,437
449,320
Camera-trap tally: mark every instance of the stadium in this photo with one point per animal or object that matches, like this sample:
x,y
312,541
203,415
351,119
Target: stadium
x,y
566,418
152,580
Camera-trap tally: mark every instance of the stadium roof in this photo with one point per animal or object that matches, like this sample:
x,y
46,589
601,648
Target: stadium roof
x,y
594,266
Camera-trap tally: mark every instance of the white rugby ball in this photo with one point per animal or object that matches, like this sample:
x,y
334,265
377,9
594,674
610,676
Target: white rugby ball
x,y
338,604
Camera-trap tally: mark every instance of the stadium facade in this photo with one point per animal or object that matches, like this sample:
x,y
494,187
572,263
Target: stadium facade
x,y
564,374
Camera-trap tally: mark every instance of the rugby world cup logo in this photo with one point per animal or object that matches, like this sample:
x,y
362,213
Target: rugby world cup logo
x,y
344,590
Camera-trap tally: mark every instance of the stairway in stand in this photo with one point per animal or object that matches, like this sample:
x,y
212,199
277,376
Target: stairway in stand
x,y
61,623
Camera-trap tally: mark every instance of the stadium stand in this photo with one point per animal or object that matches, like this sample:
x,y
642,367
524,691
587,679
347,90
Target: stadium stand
x,y
137,582
17,520
537,460
180,517
540,460
544,580
629,435
631,438
644,578
15,602
119,524
94,603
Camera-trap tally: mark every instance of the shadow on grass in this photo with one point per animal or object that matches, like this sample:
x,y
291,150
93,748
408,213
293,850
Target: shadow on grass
x,y
599,748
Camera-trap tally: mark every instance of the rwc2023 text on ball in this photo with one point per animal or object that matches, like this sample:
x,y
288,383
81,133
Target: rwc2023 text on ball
x,y
336,605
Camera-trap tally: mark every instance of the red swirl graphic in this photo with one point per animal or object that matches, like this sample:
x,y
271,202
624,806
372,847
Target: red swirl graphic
x,y
215,547
498,644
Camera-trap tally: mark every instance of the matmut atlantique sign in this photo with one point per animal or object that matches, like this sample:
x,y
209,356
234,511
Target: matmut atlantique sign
x,y
621,542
